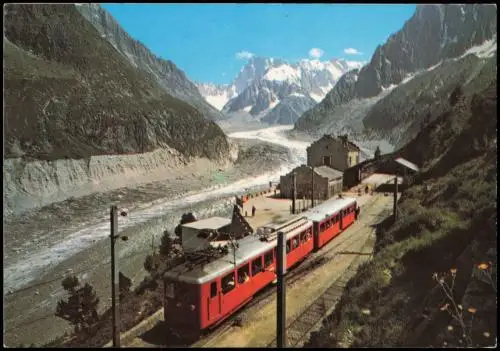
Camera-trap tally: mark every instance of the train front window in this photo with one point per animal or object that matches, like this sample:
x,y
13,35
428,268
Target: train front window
x,y
169,290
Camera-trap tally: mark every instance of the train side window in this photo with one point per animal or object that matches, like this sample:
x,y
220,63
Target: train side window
x,y
295,242
287,246
228,283
257,265
244,274
322,227
303,237
268,259
213,289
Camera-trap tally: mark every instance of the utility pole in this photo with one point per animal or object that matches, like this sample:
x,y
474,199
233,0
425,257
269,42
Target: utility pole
x,y
395,206
294,192
115,273
281,300
115,299
312,187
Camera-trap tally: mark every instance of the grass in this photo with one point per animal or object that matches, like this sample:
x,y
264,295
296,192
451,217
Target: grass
x,y
446,220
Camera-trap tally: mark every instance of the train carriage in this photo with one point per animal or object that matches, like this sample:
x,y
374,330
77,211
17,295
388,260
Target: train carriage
x,y
199,297
331,218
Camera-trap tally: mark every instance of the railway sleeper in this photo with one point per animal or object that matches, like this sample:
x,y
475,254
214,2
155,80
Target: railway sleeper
x,y
308,321
303,325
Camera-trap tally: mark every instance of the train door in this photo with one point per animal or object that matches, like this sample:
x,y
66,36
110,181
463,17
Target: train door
x,y
214,301
316,233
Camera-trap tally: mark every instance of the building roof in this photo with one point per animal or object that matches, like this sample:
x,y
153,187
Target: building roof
x,y
323,171
350,145
209,223
407,164
328,172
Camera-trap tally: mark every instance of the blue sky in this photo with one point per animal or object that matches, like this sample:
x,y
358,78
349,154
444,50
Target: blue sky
x,y
211,42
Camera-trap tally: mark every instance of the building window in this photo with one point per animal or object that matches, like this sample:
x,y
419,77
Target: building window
x,y
350,160
327,160
357,158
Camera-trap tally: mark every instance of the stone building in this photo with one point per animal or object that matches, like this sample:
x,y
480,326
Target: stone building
x,y
327,182
338,153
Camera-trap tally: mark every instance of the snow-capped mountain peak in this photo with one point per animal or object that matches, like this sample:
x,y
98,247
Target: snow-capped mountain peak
x,y
283,73
264,84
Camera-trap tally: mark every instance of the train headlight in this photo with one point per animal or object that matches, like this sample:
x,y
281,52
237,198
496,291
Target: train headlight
x,y
193,307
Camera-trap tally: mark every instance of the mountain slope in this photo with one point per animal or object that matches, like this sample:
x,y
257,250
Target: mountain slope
x,y
398,121
69,94
446,227
165,72
435,36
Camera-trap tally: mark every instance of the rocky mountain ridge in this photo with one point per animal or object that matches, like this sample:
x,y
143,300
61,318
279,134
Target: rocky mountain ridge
x,y
263,84
165,72
435,36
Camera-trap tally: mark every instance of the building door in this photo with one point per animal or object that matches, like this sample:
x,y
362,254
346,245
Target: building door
x,y
327,160
213,302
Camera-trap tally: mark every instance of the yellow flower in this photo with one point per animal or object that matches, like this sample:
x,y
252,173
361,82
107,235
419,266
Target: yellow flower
x,y
444,307
459,307
453,271
434,276
450,328
472,310
483,266
366,311
486,334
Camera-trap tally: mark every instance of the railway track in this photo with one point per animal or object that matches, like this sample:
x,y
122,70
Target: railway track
x,y
297,331
316,311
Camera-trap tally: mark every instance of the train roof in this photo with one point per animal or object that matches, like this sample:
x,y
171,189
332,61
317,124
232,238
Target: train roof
x,y
328,208
249,247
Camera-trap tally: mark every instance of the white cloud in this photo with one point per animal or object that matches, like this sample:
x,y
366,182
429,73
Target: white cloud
x,y
244,55
352,51
316,53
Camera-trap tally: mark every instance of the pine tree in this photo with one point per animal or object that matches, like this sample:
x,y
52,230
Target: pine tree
x,y
81,307
167,244
377,153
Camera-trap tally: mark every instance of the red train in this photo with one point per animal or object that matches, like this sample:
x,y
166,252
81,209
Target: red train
x,y
200,297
